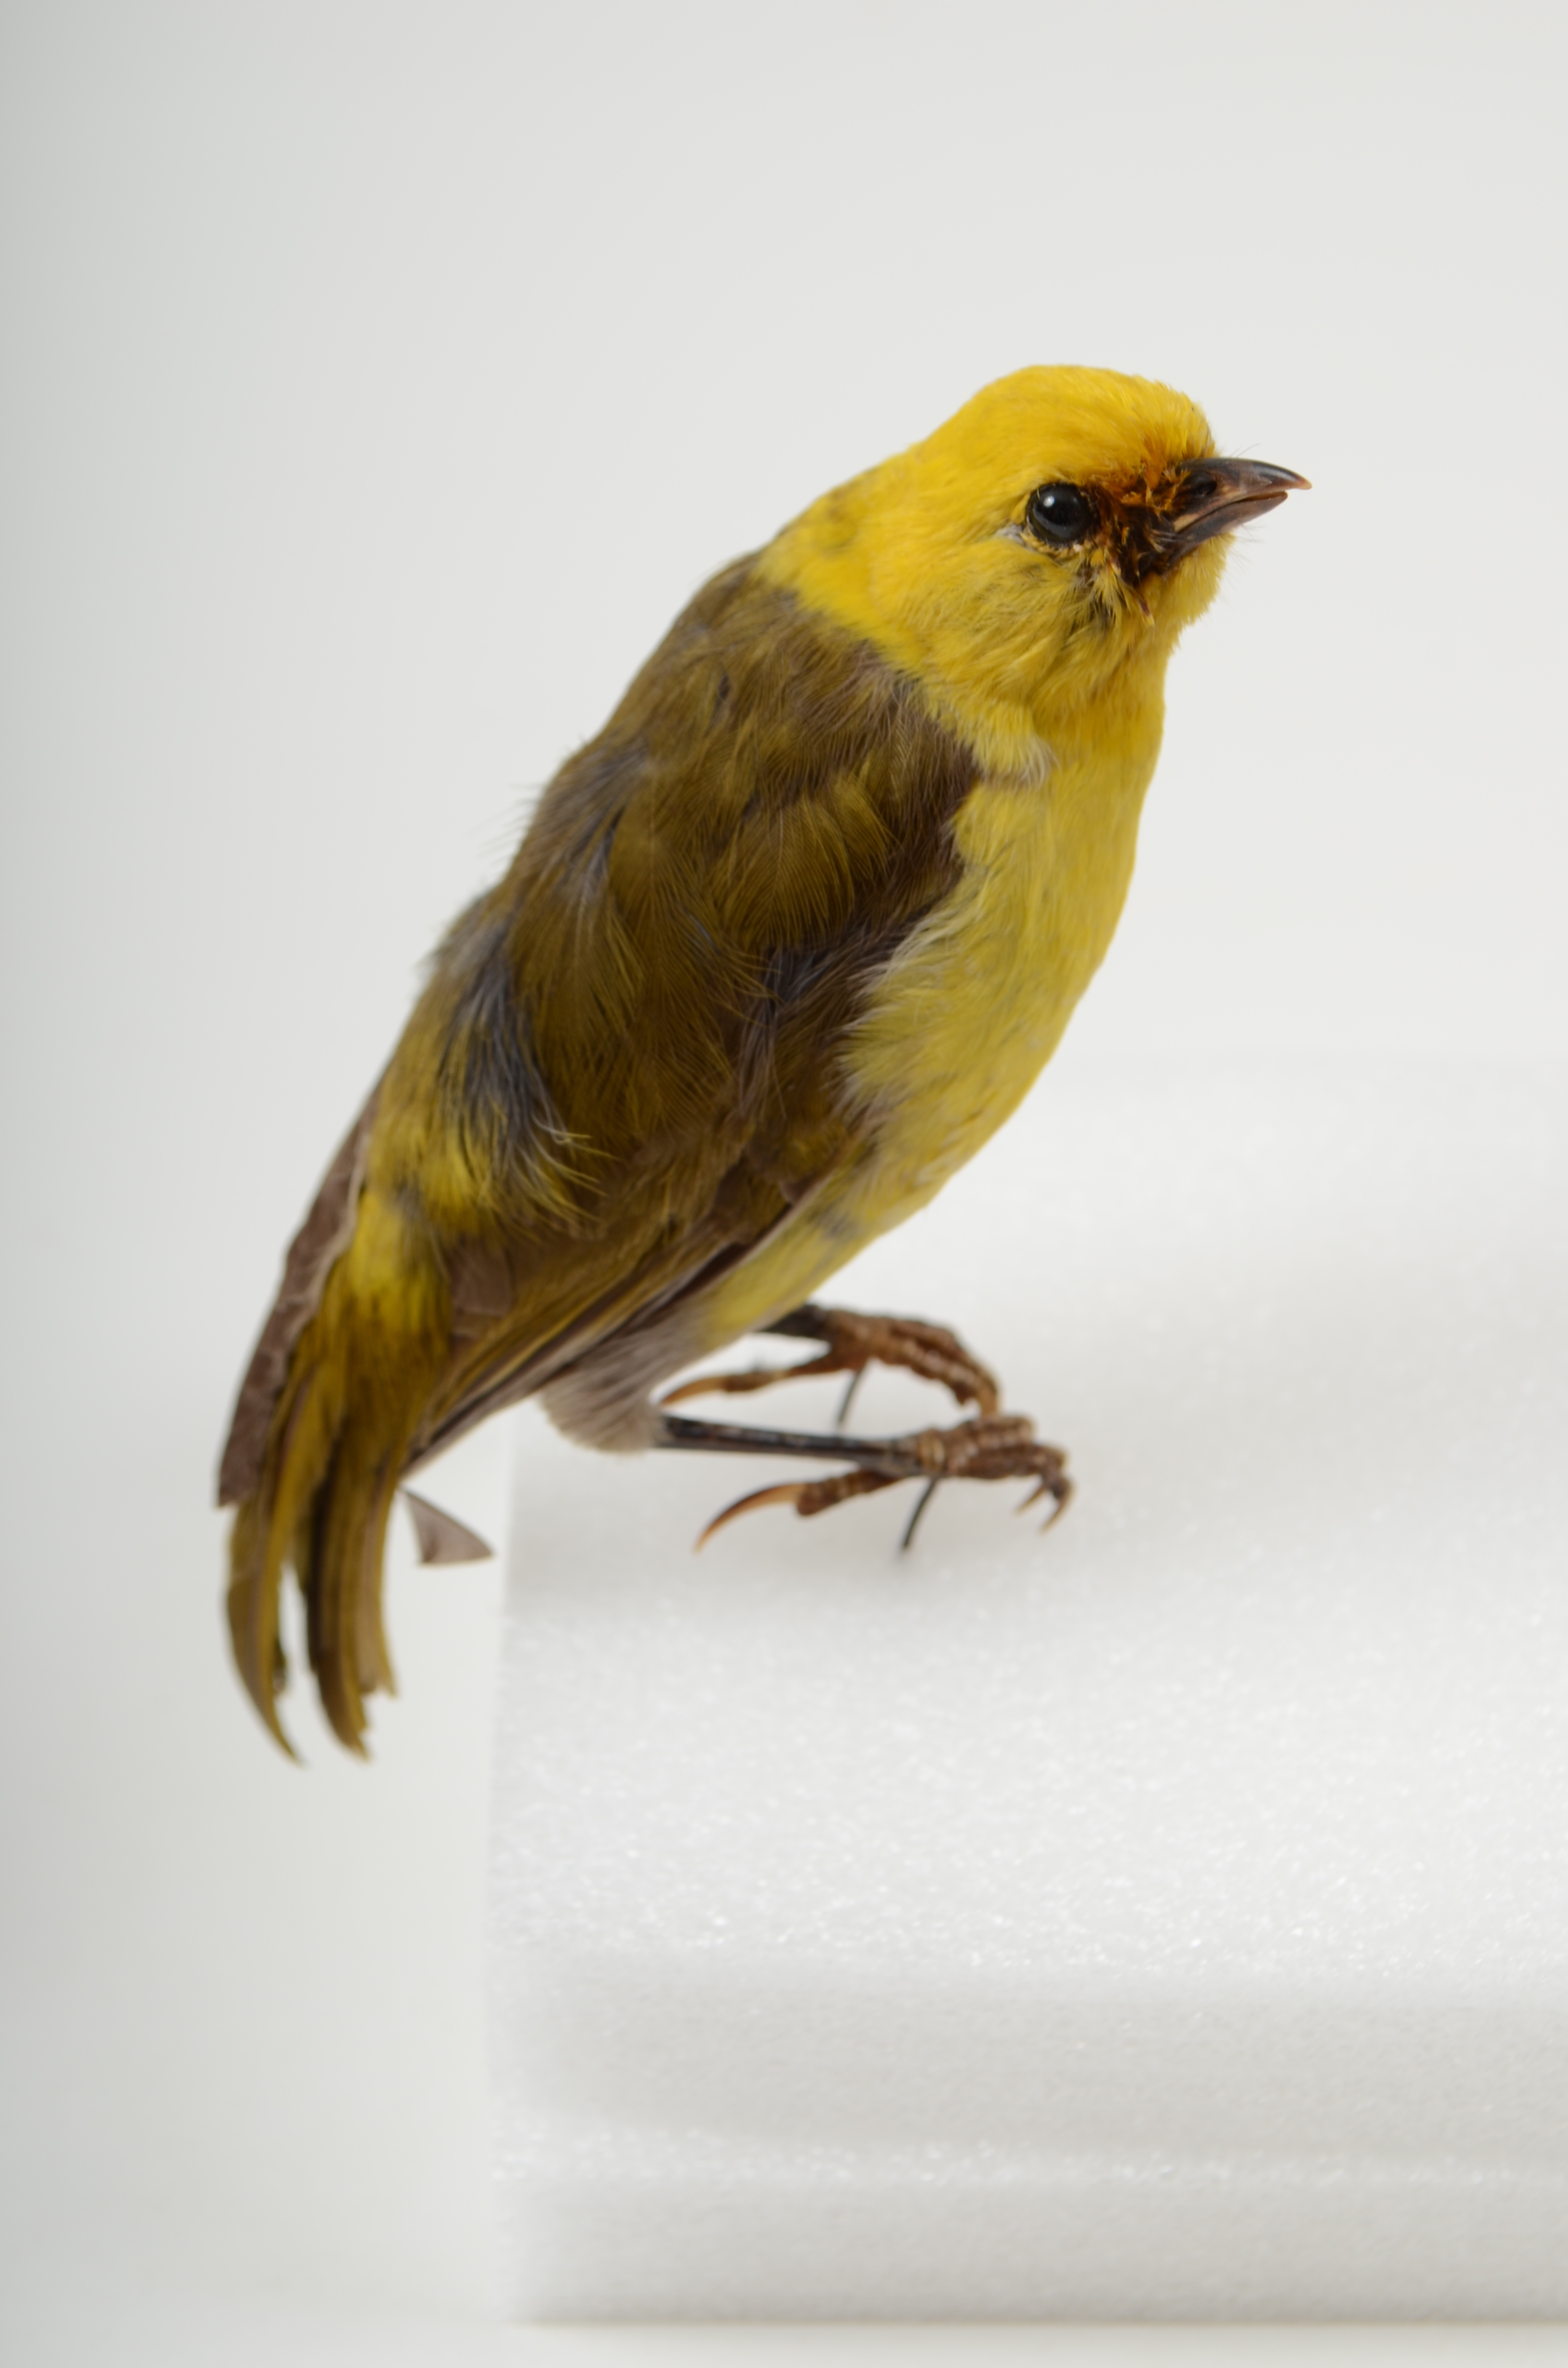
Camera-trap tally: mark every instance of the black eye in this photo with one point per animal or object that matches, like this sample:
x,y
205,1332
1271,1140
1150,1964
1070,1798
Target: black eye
x,y
1061,514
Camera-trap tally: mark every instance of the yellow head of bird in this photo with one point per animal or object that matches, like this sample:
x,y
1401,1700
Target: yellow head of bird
x,y
1042,550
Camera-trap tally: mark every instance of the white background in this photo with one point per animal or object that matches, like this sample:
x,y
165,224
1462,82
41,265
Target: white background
x,y
379,380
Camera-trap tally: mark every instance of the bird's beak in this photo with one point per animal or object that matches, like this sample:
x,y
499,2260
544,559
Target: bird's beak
x,y
1206,498
1215,495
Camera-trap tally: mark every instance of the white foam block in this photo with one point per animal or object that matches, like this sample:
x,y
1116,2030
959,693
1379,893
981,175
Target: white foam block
x,y
1167,1917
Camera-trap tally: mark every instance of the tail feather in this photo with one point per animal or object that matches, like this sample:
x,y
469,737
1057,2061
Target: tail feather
x,y
322,1508
360,1373
253,1616
271,1529
343,1584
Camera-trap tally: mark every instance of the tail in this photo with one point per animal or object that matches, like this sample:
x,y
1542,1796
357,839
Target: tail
x,y
320,1438
321,1508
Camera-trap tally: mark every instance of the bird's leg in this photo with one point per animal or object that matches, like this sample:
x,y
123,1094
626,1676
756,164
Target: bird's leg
x,y
988,1447
850,1343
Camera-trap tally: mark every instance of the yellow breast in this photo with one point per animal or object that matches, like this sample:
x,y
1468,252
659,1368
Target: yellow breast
x,y
973,1005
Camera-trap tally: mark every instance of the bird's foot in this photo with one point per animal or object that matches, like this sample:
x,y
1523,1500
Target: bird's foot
x,y
851,1342
988,1447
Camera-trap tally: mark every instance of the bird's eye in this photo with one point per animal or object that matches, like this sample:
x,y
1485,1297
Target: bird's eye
x,y
1061,515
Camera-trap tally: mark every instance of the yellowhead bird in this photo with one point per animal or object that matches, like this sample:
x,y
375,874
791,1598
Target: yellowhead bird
x,y
779,950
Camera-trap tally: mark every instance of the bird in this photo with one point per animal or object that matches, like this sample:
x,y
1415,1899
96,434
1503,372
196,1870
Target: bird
x,y
779,950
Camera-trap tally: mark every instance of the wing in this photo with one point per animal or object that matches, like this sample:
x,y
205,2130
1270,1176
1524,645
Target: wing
x,y
672,963
622,1078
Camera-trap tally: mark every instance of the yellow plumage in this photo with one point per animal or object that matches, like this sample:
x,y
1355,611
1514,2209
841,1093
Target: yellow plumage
x,y
780,950
1067,731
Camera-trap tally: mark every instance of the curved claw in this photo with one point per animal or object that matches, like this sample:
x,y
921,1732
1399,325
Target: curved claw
x,y
807,1497
1056,1485
786,1492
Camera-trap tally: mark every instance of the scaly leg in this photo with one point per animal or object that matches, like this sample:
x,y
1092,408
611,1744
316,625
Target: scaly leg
x,y
852,1342
989,1447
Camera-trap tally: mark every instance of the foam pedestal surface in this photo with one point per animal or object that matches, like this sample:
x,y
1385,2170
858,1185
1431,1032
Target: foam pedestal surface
x,y
1165,1918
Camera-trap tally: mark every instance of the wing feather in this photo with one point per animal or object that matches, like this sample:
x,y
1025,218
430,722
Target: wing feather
x,y
326,1232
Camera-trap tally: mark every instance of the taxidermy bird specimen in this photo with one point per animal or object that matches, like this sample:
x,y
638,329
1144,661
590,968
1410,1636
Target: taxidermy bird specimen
x,y
779,950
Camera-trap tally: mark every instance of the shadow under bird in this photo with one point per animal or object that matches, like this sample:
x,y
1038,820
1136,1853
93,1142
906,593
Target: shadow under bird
x,y
779,950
